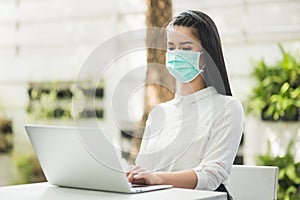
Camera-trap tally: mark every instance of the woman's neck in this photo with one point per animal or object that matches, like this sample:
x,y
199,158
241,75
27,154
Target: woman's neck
x,y
191,87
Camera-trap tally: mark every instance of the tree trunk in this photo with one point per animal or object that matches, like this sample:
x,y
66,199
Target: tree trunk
x,y
160,86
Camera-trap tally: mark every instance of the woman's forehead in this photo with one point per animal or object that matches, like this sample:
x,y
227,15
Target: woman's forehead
x,y
180,33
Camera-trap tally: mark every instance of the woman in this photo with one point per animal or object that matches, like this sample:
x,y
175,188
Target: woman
x,y
192,140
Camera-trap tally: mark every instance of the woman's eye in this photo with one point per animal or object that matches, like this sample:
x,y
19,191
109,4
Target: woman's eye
x,y
171,48
187,49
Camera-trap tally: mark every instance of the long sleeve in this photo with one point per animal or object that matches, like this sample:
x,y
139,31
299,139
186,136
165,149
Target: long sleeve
x,y
144,156
200,131
221,149
141,158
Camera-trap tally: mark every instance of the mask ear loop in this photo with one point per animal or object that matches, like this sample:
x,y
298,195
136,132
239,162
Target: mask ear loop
x,y
204,65
202,68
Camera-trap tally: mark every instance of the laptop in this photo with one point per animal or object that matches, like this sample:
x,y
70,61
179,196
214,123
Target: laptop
x,y
81,158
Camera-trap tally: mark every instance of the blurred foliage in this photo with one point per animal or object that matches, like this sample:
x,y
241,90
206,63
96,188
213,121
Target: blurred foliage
x,y
53,100
29,169
276,95
50,101
6,138
288,175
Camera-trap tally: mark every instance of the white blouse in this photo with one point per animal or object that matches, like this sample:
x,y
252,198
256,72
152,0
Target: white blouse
x,y
199,131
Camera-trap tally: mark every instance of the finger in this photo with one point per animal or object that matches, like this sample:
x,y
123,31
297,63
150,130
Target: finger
x,y
140,175
130,178
139,178
139,181
137,170
131,169
132,175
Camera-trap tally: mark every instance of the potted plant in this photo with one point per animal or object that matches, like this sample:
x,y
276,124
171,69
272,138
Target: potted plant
x,y
276,95
6,146
29,169
273,107
6,140
49,101
288,175
53,101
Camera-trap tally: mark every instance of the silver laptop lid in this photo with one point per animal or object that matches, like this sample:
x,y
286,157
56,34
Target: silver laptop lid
x,y
66,160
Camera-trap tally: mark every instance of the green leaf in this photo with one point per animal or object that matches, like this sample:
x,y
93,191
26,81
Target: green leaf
x,y
284,88
278,87
291,174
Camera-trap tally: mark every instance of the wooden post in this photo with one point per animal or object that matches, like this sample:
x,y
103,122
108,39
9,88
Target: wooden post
x,y
160,85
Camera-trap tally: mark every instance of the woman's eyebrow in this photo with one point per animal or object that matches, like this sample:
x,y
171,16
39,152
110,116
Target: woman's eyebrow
x,y
187,42
182,43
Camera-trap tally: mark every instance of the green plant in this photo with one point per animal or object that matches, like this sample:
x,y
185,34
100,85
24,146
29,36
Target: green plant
x,y
288,175
49,101
276,95
6,135
53,100
29,169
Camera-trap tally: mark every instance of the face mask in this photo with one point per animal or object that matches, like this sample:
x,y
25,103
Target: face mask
x,y
183,65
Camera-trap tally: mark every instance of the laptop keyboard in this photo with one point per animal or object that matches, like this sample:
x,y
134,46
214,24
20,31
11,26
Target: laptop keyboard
x,y
137,185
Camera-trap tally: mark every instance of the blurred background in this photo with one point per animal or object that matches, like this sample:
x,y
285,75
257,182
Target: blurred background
x,y
44,43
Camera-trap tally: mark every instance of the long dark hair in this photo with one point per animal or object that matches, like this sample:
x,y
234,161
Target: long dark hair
x,y
206,31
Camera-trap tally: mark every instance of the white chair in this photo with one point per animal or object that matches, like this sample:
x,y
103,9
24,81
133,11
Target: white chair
x,y
253,182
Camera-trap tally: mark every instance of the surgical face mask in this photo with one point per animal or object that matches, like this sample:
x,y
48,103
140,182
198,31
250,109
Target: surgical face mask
x,y
183,65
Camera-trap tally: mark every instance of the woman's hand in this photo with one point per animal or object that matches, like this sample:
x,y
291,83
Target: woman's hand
x,y
138,175
180,179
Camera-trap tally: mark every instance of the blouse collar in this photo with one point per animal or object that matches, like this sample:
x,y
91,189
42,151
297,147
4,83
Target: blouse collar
x,y
191,98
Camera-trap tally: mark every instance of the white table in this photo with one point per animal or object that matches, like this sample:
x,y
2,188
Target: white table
x,y
46,191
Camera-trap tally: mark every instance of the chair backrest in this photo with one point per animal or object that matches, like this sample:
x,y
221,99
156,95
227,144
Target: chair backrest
x,y
253,182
